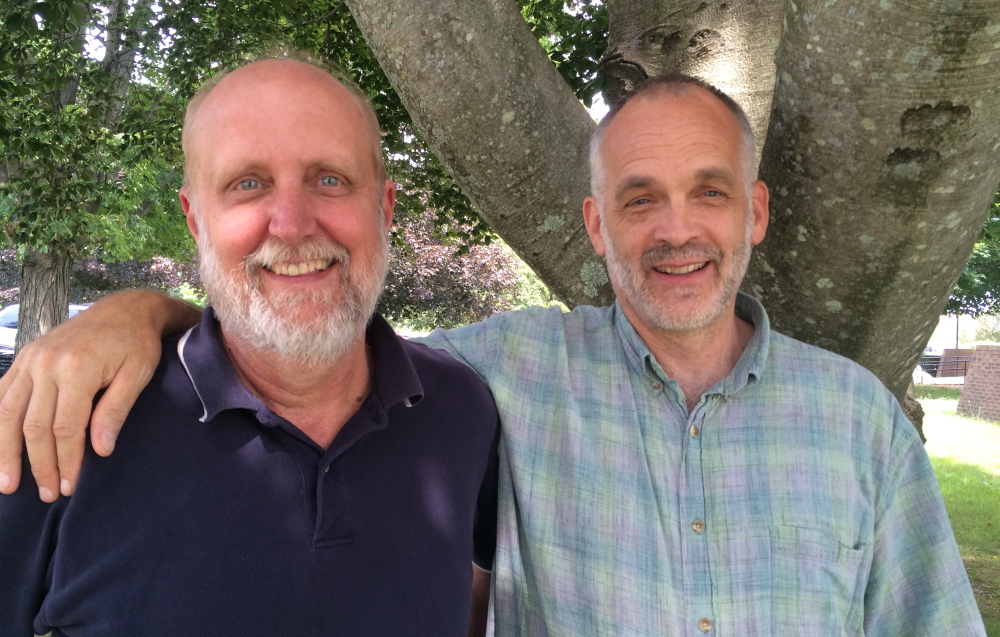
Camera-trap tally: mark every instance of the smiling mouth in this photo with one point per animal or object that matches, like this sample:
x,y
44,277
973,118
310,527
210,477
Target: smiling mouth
x,y
298,269
684,269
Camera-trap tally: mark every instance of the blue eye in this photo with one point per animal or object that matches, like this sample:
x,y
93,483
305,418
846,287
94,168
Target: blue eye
x,y
248,184
330,180
713,193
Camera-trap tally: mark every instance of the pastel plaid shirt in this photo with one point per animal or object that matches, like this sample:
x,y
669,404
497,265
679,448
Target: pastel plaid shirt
x,y
794,499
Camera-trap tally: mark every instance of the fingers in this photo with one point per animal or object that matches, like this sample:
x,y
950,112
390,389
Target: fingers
x,y
44,410
114,405
69,430
14,394
46,397
39,439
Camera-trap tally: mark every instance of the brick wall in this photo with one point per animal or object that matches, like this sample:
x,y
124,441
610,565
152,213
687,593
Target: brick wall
x,y
981,393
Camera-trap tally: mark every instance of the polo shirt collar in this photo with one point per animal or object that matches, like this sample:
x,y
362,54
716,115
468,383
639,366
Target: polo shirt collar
x,y
395,380
749,368
219,388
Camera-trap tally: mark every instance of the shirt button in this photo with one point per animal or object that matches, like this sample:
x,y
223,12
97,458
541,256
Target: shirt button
x,y
698,526
705,624
657,385
694,431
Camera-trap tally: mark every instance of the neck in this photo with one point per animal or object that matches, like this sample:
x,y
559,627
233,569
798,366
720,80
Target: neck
x,y
699,358
318,399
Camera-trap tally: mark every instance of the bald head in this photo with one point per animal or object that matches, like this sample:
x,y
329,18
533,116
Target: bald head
x,y
244,90
666,86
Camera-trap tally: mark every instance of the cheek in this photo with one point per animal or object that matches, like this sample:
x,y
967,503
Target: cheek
x,y
358,230
631,238
235,236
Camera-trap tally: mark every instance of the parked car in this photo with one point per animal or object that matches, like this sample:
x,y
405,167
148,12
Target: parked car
x,y
8,332
930,361
6,359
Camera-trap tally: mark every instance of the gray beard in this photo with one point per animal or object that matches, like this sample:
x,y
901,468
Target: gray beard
x,y
656,313
276,323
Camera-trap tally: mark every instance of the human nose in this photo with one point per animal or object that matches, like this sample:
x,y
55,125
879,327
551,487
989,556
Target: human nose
x,y
292,215
676,224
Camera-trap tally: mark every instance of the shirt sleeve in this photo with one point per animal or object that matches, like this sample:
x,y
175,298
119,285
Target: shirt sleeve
x,y
27,539
476,344
917,585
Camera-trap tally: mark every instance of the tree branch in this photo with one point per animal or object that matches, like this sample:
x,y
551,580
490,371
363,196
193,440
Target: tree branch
x,y
495,111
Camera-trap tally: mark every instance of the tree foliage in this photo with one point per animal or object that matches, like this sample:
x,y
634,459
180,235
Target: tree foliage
x,y
574,33
91,278
93,164
430,286
978,289
132,158
87,151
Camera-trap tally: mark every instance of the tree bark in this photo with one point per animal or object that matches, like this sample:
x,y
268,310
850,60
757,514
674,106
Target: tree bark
x,y
44,294
495,111
122,40
881,152
913,409
882,162
730,44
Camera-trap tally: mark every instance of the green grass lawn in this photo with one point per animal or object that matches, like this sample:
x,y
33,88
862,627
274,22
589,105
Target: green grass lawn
x,y
965,453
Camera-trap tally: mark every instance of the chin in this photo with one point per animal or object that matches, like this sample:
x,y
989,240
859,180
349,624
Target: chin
x,y
666,316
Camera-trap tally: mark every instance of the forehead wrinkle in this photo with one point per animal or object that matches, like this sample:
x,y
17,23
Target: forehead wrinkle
x,y
683,120
633,183
243,153
231,100
716,174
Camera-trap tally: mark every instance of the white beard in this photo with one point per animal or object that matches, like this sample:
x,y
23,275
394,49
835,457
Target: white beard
x,y
275,322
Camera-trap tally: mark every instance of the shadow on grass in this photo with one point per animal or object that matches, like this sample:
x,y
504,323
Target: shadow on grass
x,y
972,496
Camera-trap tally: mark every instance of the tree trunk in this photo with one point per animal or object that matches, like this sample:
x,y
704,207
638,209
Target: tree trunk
x,y
882,162
881,151
44,294
123,34
730,44
495,111
913,409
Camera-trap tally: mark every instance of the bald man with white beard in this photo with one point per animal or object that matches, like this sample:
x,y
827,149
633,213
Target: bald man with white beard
x,y
293,467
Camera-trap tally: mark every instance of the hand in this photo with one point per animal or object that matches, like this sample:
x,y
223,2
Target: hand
x,y
46,397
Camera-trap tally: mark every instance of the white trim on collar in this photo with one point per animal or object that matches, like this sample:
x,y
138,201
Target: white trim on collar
x,y
180,353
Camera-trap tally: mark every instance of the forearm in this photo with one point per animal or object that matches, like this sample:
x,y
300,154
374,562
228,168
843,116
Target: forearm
x,y
162,313
480,601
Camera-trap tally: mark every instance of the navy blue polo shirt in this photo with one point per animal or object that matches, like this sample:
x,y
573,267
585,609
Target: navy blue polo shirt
x,y
215,516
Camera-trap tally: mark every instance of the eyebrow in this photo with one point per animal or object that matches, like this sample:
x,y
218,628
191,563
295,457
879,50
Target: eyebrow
x,y
639,182
716,174
632,183
230,170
